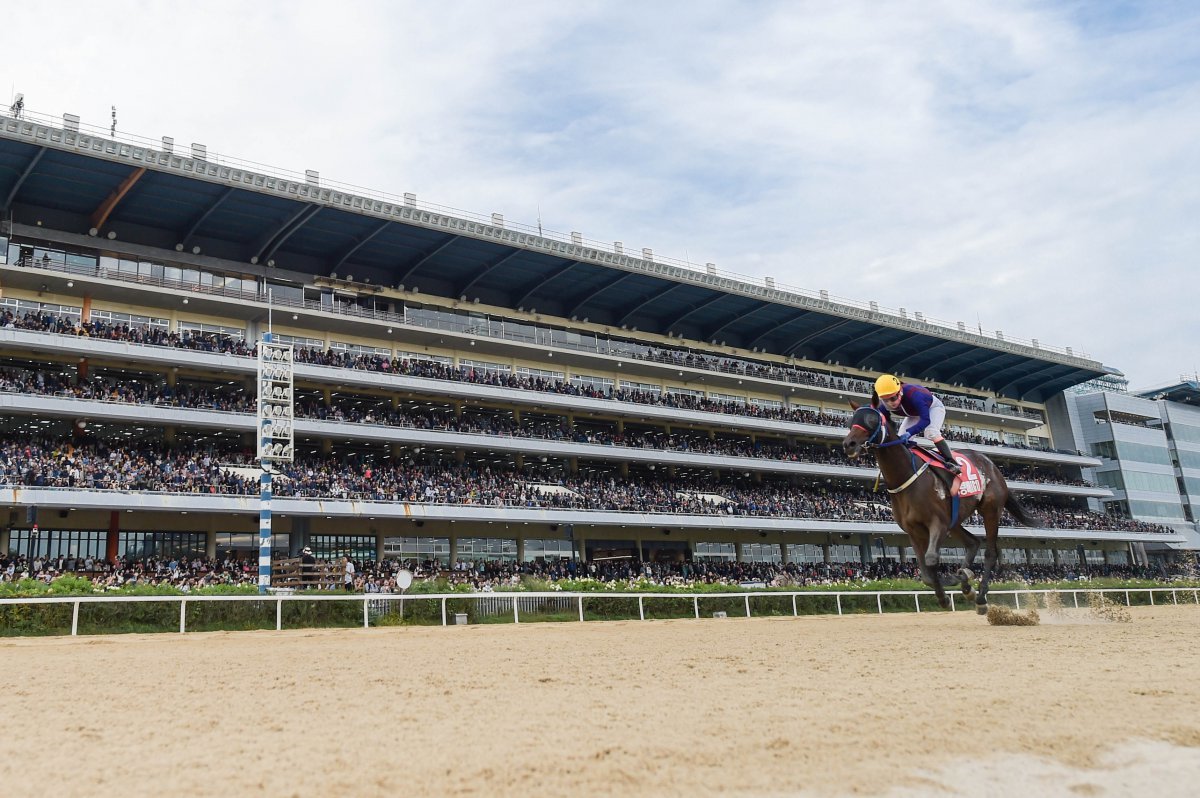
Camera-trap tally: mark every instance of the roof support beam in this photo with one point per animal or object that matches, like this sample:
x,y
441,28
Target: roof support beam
x,y
931,362
259,247
592,294
403,278
105,209
829,353
657,295
699,306
565,266
974,365
869,334
1033,375
710,334
357,245
12,194
186,238
287,233
486,270
773,328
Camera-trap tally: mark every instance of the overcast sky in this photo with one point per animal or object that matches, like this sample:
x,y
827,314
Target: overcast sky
x,y
1027,167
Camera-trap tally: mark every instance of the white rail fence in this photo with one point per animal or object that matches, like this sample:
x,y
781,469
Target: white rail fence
x,y
502,604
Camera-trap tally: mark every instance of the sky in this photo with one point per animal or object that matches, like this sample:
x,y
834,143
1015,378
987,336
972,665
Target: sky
x,y
1032,168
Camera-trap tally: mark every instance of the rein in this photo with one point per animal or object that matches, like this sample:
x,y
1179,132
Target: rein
x,y
870,443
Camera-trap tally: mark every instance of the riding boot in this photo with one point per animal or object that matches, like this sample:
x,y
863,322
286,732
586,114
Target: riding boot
x,y
951,465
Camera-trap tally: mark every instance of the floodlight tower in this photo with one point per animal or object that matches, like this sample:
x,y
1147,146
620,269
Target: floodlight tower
x,y
276,432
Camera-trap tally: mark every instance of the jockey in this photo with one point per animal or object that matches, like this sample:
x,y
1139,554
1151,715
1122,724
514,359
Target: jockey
x,y
921,410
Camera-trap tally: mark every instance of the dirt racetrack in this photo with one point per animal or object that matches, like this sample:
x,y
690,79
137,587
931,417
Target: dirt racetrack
x,y
776,706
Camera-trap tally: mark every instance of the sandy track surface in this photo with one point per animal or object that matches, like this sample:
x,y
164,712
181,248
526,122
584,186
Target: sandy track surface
x,y
777,706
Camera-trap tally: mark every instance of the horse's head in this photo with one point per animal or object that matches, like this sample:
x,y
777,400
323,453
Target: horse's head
x,y
868,427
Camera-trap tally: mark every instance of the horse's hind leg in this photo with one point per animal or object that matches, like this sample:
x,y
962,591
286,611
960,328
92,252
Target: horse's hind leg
x,y
991,526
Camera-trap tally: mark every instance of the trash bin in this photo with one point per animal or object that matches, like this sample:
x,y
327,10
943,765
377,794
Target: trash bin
x,y
460,618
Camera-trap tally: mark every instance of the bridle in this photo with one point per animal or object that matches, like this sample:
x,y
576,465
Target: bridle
x,y
870,443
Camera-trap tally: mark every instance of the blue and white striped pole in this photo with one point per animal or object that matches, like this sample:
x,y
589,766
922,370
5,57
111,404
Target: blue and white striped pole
x,y
264,530
264,503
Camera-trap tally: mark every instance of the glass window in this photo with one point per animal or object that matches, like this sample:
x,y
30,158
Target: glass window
x,y
487,549
643,387
140,545
761,552
548,550
715,551
356,547
437,549
242,542
805,552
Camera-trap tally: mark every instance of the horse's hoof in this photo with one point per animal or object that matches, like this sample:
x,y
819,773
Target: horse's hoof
x,y
981,609
966,574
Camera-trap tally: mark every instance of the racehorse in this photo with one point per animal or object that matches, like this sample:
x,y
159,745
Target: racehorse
x,y
923,506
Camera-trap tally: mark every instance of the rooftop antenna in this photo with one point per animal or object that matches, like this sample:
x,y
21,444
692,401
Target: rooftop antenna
x,y
539,219
113,131
18,105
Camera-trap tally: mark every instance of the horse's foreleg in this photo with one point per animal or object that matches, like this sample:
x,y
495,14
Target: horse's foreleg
x,y
930,577
970,549
935,542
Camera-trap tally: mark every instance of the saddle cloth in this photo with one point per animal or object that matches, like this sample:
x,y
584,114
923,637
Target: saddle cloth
x,y
970,482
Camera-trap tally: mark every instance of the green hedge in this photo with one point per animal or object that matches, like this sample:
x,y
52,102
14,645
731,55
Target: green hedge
x,y
603,601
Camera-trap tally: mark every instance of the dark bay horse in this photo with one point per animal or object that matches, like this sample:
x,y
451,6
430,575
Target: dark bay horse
x,y
922,504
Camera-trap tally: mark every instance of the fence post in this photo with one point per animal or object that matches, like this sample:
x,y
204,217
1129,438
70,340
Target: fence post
x,y
916,600
75,619
279,614
747,605
1151,592
365,610
1174,600
516,617
952,607
581,609
838,596
182,615
443,612
696,605
1017,598
794,612
1075,596
641,609
879,602
1127,604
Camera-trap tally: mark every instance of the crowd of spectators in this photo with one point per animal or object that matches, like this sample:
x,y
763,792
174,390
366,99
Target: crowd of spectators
x,y
430,369
95,466
188,573
229,398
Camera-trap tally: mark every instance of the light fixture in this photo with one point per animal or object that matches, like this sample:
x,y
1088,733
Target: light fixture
x,y
70,283
185,300
111,235
294,317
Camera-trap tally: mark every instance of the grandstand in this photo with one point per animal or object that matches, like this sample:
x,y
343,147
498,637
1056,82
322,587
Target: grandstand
x,y
466,388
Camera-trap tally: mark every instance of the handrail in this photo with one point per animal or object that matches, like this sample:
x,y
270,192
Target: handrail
x,y
580,597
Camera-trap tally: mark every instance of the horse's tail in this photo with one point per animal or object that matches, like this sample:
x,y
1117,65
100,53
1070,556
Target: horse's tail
x,y
1024,517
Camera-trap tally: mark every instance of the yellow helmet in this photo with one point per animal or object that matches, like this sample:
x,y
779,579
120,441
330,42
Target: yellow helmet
x,y
887,384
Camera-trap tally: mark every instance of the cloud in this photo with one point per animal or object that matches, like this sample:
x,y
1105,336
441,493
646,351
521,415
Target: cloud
x,y
1028,167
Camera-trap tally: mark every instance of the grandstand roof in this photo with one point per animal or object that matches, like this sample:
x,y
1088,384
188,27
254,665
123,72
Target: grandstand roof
x,y
64,180
1185,391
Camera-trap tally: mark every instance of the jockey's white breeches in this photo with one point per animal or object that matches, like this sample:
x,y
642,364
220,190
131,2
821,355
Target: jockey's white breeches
x,y
937,417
